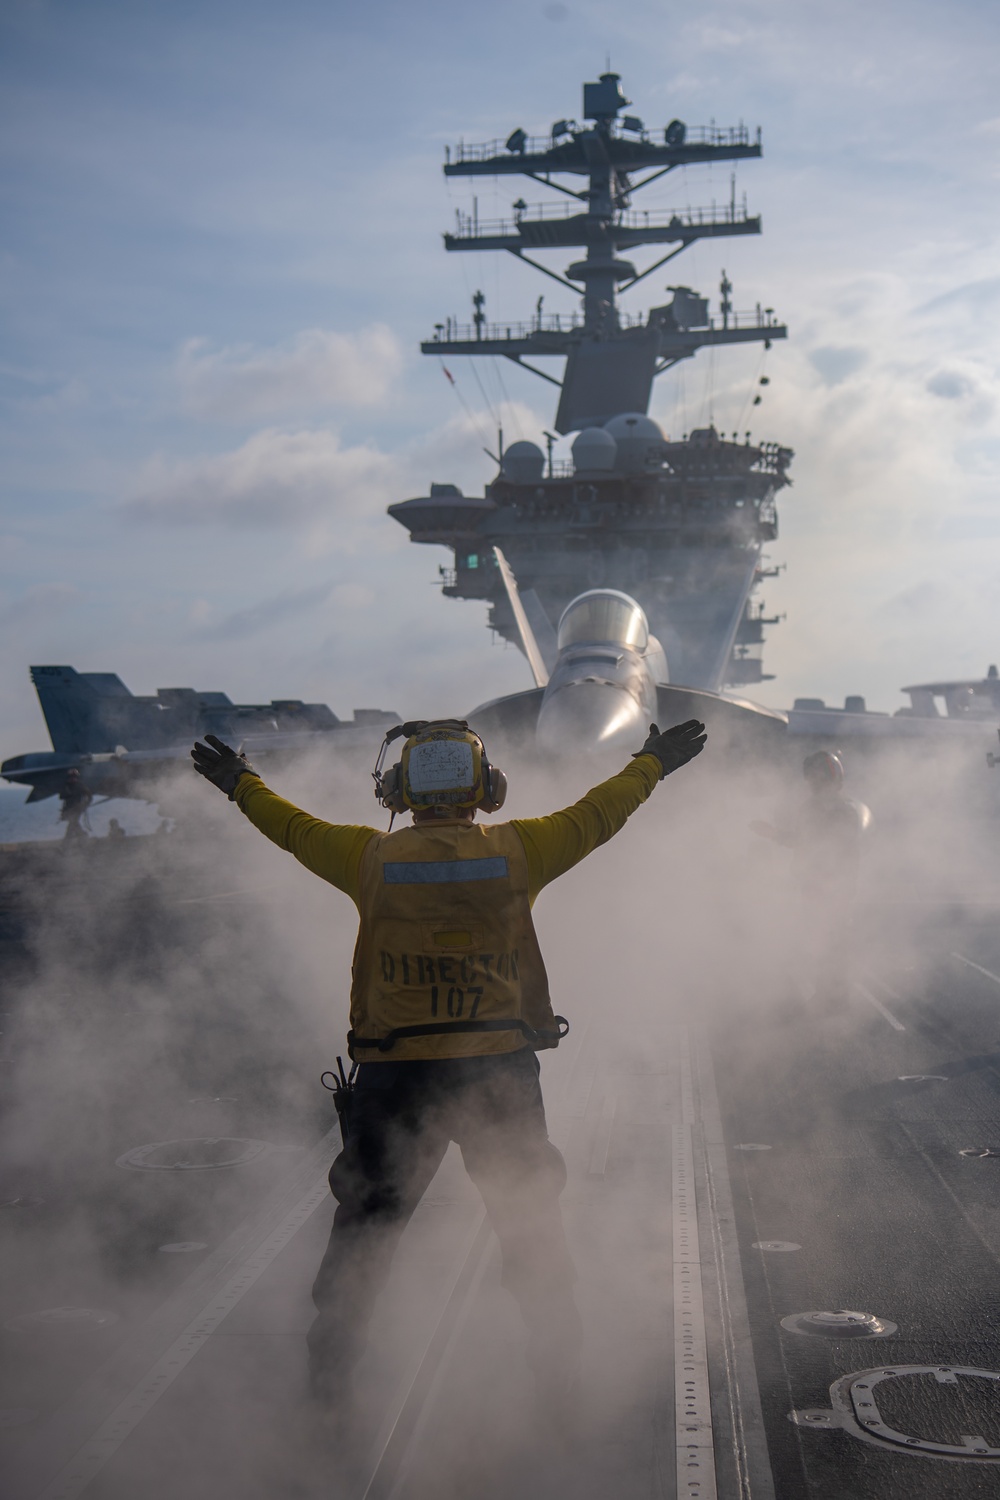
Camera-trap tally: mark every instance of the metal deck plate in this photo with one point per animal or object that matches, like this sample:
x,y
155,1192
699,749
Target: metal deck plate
x,y
932,1411
202,1154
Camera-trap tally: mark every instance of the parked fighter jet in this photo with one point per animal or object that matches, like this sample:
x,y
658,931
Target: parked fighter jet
x,y
601,679
123,744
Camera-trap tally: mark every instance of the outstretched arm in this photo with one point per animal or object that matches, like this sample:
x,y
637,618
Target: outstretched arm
x,y
330,850
555,844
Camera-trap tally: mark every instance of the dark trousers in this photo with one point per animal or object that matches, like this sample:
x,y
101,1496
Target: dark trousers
x,y
404,1116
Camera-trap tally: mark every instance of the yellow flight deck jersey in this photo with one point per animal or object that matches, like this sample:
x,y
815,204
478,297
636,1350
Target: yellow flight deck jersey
x,y
447,963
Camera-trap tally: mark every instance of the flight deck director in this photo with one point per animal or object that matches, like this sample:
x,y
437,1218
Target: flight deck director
x,y
449,1006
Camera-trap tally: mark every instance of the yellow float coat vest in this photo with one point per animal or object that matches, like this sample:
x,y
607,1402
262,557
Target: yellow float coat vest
x,y
447,962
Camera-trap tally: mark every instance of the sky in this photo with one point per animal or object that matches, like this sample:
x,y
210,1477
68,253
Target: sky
x,y
222,249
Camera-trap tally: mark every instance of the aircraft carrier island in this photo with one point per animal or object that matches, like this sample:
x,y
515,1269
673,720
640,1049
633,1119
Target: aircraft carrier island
x,y
778,1096
677,524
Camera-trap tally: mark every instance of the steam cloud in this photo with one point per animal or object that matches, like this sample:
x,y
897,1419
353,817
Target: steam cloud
x,y
199,987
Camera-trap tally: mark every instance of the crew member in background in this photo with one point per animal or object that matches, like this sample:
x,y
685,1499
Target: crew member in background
x,y
449,1006
75,799
824,834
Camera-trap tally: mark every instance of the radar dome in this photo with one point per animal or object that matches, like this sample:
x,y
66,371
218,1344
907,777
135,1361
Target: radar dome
x,y
594,451
639,441
523,463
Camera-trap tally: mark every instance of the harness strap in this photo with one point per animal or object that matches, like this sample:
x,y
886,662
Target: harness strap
x,y
538,1039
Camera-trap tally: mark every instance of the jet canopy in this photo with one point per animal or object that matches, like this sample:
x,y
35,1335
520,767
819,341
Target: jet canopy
x,y
603,615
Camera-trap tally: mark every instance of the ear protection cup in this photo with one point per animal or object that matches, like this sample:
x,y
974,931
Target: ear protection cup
x,y
495,789
389,789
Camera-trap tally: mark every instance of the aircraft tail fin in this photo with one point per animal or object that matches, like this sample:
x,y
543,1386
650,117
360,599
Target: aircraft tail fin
x,y
76,707
532,650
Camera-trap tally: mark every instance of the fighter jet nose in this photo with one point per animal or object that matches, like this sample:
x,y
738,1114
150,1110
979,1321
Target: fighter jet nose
x,y
590,717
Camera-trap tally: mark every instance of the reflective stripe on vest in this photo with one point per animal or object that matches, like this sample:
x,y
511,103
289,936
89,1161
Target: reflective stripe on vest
x,y
443,871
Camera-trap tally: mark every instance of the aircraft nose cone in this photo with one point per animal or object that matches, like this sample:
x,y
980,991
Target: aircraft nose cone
x,y
587,717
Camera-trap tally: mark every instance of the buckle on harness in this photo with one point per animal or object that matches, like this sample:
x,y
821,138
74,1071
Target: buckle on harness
x,y
539,1040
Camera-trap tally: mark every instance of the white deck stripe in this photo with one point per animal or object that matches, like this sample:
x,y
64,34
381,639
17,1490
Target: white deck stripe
x,y
886,989
696,1479
469,1289
393,1446
72,1480
873,1000
753,1479
598,1163
978,967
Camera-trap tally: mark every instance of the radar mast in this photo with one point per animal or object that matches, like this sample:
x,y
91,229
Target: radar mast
x,y
677,524
611,358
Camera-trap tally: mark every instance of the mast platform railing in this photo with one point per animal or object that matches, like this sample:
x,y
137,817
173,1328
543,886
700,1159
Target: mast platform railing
x,y
451,331
537,145
471,226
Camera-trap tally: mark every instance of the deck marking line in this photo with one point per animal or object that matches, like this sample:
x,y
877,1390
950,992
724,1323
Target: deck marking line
x,y
694,1437
598,1163
874,1000
987,1243
467,1292
390,1449
978,967
395,1449
81,1470
752,1458
62,1434
886,989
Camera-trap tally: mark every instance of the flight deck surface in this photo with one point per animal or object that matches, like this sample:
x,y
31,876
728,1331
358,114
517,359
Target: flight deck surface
x,y
731,1172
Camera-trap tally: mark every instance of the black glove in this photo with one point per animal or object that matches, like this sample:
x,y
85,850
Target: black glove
x,y
220,764
675,747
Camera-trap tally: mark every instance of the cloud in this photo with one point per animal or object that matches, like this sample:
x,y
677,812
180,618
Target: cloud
x,y
951,385
269,612
318,368
275,478
980,456
40,393
915,602
974,296
890,533
715,38
37,603
307,478
971,382
836,365
454,449
290,605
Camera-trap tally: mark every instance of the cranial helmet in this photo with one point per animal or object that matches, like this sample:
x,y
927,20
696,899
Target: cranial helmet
x,y
824,769
443,764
